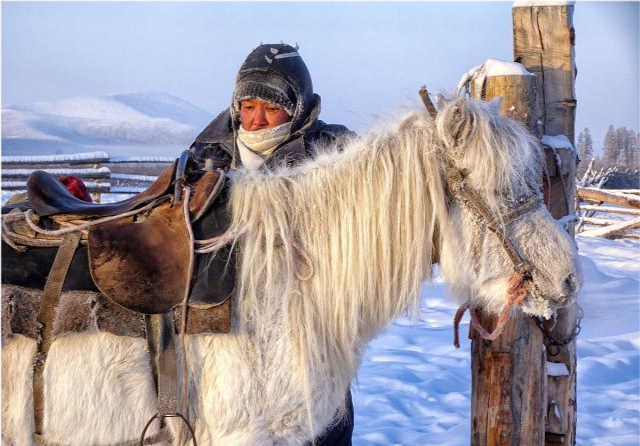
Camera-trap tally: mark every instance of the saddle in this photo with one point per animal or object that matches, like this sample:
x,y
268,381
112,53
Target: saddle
x,y
141,261
140,255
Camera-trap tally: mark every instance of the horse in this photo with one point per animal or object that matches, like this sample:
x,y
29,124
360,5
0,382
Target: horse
x,y
329,252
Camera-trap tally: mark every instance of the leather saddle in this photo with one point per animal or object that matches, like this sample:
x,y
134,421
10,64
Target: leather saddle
x,y
141,261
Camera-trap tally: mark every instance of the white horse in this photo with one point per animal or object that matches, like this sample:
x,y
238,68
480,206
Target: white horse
x,y
331,251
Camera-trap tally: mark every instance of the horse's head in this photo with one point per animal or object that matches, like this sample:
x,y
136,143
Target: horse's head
x,y
496,223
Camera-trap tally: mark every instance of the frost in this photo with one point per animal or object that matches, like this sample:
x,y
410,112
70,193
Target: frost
x,y
557,369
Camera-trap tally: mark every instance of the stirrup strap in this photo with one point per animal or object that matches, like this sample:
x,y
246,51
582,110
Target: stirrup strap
x,y
48,306
164,364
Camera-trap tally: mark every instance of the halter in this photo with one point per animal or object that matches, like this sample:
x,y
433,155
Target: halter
x,y
459,187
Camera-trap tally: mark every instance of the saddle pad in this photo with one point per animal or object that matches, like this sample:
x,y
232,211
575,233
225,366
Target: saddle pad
x,y
142,263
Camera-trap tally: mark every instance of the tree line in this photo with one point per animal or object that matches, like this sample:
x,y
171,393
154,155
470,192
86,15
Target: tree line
x,y
620,149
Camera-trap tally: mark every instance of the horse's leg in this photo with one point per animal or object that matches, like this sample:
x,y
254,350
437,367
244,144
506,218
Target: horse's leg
x,y
17,401
99,389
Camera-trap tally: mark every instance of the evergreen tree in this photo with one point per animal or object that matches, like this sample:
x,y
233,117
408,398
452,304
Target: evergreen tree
x,y
585,150
633,158
621,143
610,148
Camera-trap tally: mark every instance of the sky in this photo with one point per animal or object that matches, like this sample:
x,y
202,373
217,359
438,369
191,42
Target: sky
x,y
367,59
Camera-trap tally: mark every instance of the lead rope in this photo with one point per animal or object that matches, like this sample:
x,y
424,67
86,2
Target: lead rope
x,y
516,295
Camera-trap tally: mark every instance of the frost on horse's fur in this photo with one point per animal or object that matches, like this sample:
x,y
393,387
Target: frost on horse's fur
x,y
359,226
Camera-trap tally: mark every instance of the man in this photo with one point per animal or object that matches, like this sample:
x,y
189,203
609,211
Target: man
x,y
272,121
273,117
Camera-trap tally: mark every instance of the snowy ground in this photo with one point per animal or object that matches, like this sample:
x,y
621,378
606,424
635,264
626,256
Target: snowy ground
x,y
414,387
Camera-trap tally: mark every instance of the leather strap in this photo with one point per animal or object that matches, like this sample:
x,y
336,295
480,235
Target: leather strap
x,y
164,363
50,300
161,342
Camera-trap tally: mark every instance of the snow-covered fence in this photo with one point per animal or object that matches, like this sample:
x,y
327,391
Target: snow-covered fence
x,y
99,178
610,213
618,212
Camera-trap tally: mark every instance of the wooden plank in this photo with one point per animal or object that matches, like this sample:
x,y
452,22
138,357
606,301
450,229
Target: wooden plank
x,y
620,199
22,186
508,376
611,230
518,96
543,41
71,158
598,221
609,209
88,173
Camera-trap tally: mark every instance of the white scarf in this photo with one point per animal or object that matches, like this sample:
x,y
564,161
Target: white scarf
x,y
255,147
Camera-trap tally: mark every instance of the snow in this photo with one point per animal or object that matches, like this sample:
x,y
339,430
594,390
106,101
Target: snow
x,y
414,387
491,68
557,369
528,3
557,142
81,123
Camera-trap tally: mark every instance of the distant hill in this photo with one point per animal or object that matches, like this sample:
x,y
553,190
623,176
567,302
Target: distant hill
x,y
120,124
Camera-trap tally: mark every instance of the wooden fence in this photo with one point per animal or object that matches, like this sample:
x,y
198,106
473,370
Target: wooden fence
x,y
102,174
610,213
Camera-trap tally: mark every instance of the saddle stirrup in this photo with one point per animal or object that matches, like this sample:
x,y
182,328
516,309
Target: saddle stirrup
x,y
164,364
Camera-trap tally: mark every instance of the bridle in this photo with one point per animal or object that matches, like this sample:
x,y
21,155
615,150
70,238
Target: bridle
x,y
458,188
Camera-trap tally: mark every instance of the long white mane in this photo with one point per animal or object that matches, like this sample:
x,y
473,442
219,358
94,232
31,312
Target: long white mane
x,y
360,224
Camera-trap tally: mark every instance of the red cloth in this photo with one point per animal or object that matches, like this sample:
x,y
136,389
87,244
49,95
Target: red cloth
x,y
77,187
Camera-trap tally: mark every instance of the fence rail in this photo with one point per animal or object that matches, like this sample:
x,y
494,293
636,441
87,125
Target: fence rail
x,y
99,178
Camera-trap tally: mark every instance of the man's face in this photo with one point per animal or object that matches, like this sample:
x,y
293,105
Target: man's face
x,y
256,114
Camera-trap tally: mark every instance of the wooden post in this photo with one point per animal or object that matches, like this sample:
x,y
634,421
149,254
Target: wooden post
x,y
508,375
543,41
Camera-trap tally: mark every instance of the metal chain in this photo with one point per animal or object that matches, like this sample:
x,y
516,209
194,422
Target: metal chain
x,y
553,349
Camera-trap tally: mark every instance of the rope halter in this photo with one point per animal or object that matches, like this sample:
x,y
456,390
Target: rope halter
x,y
459,187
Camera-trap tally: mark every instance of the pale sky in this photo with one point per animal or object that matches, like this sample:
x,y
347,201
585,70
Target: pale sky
x,y
367,59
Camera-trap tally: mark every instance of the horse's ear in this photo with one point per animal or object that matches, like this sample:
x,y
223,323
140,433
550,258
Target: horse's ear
x,y
461,121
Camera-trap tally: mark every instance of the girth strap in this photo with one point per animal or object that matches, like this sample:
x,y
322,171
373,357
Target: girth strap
x,y
50,300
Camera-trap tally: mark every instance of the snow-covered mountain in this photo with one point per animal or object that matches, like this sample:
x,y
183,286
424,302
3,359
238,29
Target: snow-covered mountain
x,y
84,123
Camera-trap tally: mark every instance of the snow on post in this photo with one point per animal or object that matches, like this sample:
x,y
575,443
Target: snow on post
x,y
508,84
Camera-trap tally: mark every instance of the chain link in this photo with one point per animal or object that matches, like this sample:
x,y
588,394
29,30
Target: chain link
x,y
553,349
